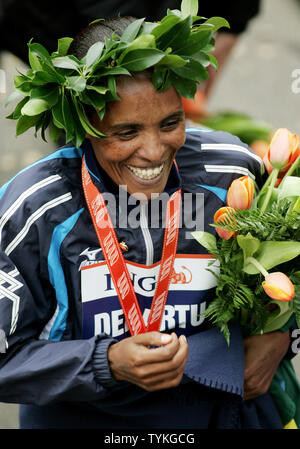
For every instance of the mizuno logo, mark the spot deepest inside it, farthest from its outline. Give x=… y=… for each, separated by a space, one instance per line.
x=91 y=257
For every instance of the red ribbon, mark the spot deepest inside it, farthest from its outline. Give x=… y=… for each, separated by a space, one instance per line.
x=116 y=263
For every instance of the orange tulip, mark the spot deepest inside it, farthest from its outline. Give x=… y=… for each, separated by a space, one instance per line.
x=296 y=148
x=283 y=150
x=240 y=193
x=278 y=286
x=223 y=215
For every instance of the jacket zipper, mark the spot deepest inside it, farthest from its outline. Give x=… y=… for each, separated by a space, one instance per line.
x=146 y=235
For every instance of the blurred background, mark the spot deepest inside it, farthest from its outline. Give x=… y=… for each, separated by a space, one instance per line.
x=257 y=90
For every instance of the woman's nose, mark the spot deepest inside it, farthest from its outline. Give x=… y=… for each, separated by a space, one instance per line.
x=152 y=148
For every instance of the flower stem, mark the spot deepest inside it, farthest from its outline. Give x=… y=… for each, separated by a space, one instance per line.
x=257 y=265
x=290 y=171
x=273 y=177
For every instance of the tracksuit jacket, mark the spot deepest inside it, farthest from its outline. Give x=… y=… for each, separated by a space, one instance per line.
x=59 y=311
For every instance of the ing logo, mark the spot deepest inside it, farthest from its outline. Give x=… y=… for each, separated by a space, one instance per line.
x=183 y=277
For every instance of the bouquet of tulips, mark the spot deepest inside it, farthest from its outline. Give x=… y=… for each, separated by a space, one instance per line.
x=257 y=248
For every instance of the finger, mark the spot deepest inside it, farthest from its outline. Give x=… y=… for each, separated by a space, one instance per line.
x=152 y=339
x=146 y=354
x=163 y=380
x=164 y=367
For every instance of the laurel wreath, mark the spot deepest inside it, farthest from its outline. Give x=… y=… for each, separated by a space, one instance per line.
x=57 y=88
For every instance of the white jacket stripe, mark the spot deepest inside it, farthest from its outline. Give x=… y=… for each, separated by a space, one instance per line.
x=232 y=147
x=37 y=214
x=14 y=207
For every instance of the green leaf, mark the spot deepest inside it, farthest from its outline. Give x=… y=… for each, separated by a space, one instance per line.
x=50 y=95
x=118 y=70
x=189 y=7
x=194 y=43
x=143 y=41
x=186 y=88
x=93 y=98
x=132 y=30
x=272 y=253
x=76 y=83
x=249 y=244
x=65 y=62
x=172 y=61
x=41 y=78
x=290 y=187
x=34 y=61
x=40 y=51
x=57 y=115
x=206 y=239
x=279 y=317
x=111 y=81
x=166 y=24
x=193 y=70
x=54 y=132
x=63 y=45
x=16 y=114
x=22 y=84
x=213 y=61
x=138 y=60
x=25 y=122
x=176 y=35
x=174 y=12
x=148 y=27
x=94 y=53
x=67 y=119
x=96 y=21
x=203 y=58
x=84 y=120
x=159 y=77
x=34 y=107
x=45 y=60
x=100 y=89
x=215 y=23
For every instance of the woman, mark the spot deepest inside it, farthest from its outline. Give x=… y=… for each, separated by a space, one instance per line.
x=72 y=358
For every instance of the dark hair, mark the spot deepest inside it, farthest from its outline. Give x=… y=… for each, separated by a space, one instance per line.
x=97 y=32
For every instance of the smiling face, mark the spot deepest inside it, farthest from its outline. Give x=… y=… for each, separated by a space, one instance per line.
x=144 y=131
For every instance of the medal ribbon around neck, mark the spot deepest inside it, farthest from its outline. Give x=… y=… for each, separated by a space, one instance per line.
x=116 y=263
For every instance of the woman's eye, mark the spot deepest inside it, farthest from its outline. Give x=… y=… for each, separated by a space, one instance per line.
x=129 y=134
x=171 y=124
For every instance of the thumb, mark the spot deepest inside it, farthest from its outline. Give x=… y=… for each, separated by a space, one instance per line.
x=153 y=338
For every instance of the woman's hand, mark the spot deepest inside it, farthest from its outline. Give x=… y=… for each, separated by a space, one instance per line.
x=263 y=354
x=153 y=369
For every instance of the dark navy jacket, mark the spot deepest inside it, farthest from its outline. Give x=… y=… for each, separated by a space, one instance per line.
x=59 y=310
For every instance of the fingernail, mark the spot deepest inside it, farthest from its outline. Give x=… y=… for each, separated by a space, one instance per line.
x=165 y=338
x=183 y=338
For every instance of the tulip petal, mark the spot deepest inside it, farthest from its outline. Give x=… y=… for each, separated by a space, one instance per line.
x=280 y=149
x=223 y=215
x=278 y=286
x=275 y=292
x=240 y=193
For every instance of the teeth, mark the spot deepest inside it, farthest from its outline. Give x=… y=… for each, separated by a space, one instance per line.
x=146 y=173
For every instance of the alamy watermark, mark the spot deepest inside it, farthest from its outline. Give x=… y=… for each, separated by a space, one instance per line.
x=295 y=87
x=2 y=82
x=134 y=211
x=3 y=342
x=296 y=342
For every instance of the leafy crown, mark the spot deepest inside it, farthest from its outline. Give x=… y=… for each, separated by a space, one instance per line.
x=57 y=88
